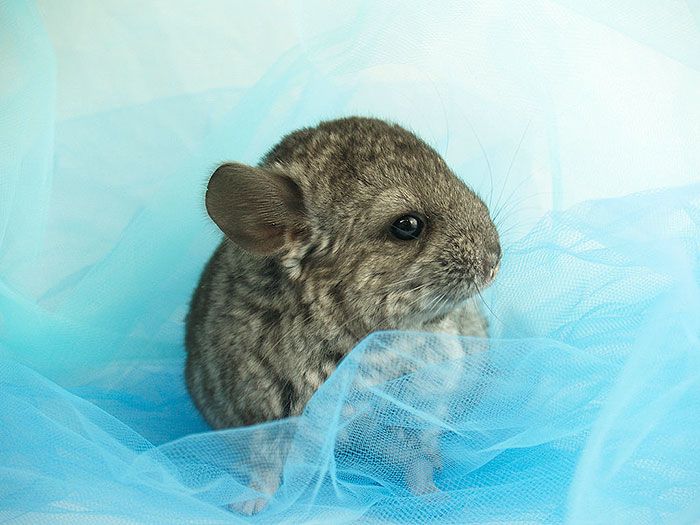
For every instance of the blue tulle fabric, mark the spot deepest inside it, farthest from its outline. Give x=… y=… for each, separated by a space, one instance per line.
x=578 y=123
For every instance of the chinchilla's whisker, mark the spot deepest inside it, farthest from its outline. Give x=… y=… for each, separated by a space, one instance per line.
x=486 y=158
x=512 y=161
x=509 y=206
x=489 y=307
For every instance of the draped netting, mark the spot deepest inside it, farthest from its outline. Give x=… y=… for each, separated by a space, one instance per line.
x=578 y=125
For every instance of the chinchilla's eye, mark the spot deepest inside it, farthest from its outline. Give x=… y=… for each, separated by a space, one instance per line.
x=407 y=227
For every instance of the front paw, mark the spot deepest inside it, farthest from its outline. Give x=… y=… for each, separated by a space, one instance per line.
x=249 y=507
x=420 y=477
x=266 y=486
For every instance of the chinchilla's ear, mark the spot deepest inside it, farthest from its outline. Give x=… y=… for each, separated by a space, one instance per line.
x=260 y=209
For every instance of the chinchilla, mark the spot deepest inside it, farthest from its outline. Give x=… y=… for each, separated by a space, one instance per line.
x=343 y=229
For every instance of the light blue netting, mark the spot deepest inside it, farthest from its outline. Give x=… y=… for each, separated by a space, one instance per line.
x=585 y=407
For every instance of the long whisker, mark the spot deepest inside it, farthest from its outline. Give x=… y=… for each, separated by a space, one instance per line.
x=512 y=161
x=444 y=115
x=404 y=281
x=508 y=204
x=431 y=307
x=510 y=196
x=488 y=162
x=441 y=304
x=487 y=306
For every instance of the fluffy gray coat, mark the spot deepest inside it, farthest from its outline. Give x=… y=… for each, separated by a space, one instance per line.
x=311 y=263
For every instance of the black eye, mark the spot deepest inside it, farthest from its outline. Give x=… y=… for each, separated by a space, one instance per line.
x=407 y=227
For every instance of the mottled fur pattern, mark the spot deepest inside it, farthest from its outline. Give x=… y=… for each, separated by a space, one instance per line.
x=278 y=308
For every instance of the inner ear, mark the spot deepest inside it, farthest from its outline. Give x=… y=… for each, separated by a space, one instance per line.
x=260 y=209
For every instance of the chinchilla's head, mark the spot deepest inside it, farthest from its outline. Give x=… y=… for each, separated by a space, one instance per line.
x=366 y=213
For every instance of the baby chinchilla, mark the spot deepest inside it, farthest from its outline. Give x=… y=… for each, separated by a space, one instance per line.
x=353 y=226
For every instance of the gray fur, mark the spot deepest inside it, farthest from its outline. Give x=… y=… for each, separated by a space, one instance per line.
x=299 y=280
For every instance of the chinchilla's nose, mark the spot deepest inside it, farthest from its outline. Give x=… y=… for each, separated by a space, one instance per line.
x=493 y=272
x=492 y=262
